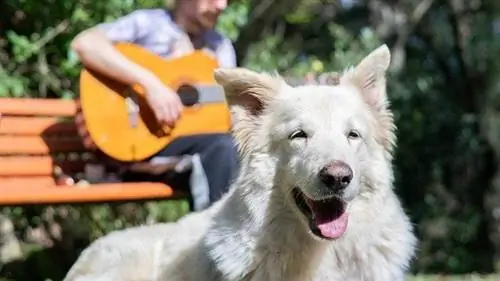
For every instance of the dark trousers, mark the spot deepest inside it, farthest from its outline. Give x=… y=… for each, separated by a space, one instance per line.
x=218 y=156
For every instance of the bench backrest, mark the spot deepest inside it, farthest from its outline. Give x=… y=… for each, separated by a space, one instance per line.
x=36 y=135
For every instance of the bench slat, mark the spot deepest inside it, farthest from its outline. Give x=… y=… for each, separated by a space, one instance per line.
x=22 y=166
x=38 y=107
x=11 y=145
x=25 y=182
x=35 y=126
x=93 y=193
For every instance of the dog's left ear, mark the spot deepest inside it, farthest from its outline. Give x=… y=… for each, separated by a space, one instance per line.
x=247 y=89
x=369 y=76
x=247 y=94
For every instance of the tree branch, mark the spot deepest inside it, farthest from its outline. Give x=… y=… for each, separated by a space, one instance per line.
x=399 y=54
x=459 y=26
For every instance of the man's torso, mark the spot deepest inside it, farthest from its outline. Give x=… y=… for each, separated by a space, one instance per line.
x=154 y=30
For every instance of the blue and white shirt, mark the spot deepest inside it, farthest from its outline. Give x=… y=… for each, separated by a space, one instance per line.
x=155 y=30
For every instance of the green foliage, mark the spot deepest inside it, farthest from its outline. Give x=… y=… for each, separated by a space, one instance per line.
x=233 y=19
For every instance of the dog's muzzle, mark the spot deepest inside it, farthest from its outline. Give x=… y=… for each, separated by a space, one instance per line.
x=326 y=213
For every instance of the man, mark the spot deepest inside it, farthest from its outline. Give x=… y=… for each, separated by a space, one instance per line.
x=188 y=26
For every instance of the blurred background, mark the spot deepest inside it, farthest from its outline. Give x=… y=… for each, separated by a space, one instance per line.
x=443 y=86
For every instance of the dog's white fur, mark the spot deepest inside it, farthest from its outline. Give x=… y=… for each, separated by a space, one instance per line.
x=256 y=232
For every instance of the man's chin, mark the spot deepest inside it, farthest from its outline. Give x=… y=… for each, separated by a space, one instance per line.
x=207 y=24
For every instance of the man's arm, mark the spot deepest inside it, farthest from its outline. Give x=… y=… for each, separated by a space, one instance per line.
x=96 y=51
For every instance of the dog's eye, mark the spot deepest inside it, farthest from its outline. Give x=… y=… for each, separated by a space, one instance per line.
x=353 y=134
x=297 y=134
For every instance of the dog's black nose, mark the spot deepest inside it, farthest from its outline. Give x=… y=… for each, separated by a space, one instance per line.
x=336 y=175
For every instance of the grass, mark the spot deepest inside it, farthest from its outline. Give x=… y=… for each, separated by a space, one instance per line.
x=426 y=278
x=455 y=278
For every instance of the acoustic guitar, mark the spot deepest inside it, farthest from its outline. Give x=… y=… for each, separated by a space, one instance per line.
x=121 y=124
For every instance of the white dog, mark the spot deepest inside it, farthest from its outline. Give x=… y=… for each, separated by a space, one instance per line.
x=313 y=200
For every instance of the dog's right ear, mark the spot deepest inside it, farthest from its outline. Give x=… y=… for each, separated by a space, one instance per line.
x=247 y=94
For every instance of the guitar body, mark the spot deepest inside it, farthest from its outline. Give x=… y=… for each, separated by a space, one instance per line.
x=120 y=122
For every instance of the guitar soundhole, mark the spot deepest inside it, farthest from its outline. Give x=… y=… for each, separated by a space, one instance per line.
x=188 y=94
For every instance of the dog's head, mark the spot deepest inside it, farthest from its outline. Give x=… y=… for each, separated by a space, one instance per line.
x=328 y=144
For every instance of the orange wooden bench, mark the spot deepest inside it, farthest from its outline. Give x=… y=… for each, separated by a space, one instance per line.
x=38 y=134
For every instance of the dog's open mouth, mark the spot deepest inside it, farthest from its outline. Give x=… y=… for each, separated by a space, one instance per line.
x=327 y=217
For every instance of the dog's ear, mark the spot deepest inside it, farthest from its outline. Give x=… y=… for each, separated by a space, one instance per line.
x=369 y=76
x=247 y=89
x=247 y=94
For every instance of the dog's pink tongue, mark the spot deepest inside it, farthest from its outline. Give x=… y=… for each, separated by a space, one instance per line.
x=332 y=228
x=330 y=218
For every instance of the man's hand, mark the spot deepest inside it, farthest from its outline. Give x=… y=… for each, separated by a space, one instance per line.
x=164 y=102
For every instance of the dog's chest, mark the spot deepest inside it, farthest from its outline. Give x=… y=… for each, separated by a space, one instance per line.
x=274 y=264
x=360 y=262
